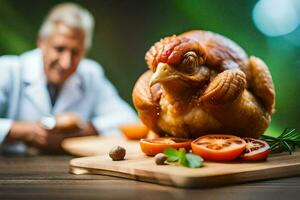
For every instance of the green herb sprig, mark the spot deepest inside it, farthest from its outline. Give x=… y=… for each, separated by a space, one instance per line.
x=186 y=159
x=288 y=140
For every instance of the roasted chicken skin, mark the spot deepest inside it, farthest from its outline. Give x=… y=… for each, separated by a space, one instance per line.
x=199 y=83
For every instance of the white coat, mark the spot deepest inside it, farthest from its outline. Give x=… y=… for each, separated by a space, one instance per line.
x=24 y=95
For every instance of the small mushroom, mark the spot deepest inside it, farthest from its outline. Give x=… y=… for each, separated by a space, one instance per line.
x=160 y=158
x=117 y=153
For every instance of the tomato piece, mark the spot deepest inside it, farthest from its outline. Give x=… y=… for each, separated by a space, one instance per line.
x=218 y=147
x=134 y=131
x=151 y=147
x=256 y=150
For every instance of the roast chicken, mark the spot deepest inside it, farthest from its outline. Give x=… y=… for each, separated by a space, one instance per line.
x=200 y=82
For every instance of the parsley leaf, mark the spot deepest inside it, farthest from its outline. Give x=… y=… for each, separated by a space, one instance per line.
x=185 y=159
x=182 y=159
x=194 y=161
x=172 y=154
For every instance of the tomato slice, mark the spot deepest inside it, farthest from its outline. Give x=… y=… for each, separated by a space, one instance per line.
x=134 y=131
x=218 y=147
x=256 y=150
x=154 y=146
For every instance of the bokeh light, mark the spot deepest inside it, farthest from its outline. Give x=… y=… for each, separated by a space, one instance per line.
x=276 y=17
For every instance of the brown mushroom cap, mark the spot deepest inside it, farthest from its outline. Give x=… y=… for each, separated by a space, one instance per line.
x=117 y=153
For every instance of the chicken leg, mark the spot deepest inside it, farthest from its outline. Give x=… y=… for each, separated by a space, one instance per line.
x=261 y=83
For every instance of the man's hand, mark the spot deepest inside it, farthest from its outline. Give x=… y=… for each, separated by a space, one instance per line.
x=27 y=131
x=48 y=141
x=55 y=137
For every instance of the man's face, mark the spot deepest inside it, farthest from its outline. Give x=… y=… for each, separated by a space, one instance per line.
x=62 y=51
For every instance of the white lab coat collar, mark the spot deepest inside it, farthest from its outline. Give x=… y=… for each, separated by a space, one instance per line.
x=36 y=90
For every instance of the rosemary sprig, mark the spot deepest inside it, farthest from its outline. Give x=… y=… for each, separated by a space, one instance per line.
x=288 y=140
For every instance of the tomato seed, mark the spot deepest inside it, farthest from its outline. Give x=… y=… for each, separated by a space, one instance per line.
x=214 y=147
x=226 y=144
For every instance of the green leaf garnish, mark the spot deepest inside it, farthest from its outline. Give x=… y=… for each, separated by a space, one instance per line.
x=194 y=161
x=182 y=159
x=288 y=140
x=185 y=159
x=172 y=154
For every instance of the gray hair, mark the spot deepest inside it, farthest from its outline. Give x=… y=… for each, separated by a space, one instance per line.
x=71 y=15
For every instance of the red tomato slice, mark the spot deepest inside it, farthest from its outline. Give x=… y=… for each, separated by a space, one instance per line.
x=154 y=146
x=218 y=147
x=256 y=150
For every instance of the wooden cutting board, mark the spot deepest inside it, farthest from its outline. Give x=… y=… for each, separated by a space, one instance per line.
x=98 y=145
x=137 y=166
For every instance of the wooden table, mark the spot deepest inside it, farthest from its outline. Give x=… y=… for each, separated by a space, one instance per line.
x=47 y=177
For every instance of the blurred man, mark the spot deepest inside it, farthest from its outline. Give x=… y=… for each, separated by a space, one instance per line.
x=53 y=79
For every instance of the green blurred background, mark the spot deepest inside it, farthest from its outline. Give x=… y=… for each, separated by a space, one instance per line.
x=126 y=29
